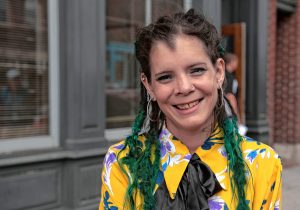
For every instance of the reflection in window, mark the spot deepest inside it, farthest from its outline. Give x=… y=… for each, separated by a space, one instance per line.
x=123 y=19
x=122 y=79
x=166 y=7
x=2 y=11
x=23 y=68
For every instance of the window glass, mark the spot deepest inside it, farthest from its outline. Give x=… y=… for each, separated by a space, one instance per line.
x=165 y=7
x=2 y=11
x=23 y=68
x=123 y=19
x=122 y=79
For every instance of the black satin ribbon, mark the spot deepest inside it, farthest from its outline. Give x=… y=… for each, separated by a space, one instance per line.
x=196 y=186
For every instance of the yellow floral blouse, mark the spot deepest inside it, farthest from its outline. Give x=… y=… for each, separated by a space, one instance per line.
x=264 y=177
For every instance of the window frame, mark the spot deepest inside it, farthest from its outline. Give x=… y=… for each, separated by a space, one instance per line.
x=51 y=140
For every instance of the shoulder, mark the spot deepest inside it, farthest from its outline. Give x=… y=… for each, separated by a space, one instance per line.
x=264 y=173
x=259 y=155
x=116 y=148
x=118 y=151
x=112 y=154
x=113 y=172
x=111 y=157
x=254 y=148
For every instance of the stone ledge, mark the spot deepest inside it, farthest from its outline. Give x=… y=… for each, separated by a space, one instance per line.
x=290 y=153
x=50 y=155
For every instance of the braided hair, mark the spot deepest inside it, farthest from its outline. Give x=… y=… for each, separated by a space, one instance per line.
x=143 y=159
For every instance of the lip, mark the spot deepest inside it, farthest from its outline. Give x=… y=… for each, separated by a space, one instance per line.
x=190 y=109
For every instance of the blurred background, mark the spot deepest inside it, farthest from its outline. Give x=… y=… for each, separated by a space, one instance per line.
x=69 y=88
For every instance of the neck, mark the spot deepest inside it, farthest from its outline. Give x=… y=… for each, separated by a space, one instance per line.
x=192 y=138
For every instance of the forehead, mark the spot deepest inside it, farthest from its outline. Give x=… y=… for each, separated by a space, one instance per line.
x=181 y=50
x=180 y=41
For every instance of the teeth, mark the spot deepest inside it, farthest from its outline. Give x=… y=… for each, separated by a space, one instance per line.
x=187 y=106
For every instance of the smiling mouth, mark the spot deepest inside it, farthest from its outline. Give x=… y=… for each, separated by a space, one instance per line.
x=188 y=105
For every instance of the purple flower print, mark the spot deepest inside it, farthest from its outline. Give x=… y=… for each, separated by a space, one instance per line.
x=215 y=203
x=222 y=151
x=168 y=146
x=119 y=146
x=277 y=205
x=163 y=134
x=168 y=151
x=163 y=150
x=109 y=159
x=187 y=157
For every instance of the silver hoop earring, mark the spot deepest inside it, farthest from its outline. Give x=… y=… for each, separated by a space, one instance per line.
x=146 y=124
x=227 y=109
x=150 y=109
x=221 y=98
x=149 y=106
x=226 y=105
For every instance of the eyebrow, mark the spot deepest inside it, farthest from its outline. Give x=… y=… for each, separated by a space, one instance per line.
x=196 y=64
x=162 y=73
x=188 y=67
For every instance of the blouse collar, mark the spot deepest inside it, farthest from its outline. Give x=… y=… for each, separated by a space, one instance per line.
x=175 y=157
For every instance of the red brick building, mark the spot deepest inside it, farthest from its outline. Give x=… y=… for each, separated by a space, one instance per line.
x=283 y=84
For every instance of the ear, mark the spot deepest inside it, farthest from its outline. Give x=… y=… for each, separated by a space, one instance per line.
x=220 y=71
x=147 y=85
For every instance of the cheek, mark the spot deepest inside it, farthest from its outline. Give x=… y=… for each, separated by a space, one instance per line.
x=208 y=87
x=210 y=90
x=162 y=94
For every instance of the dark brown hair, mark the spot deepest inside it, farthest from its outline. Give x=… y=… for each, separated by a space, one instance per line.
x=167 y=27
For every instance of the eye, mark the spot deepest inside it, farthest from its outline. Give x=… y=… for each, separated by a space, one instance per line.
x=197 y=71
x=164 y=78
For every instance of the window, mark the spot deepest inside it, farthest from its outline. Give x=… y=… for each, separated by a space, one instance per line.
x=2 y=11
x=123 y=19
x=122 y=77
x=165 y=7
x=24 y=75
x=24 y=70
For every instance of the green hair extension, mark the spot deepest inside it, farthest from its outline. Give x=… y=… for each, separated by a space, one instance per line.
x=221 y=50
x=236 y=163
x=142 y=168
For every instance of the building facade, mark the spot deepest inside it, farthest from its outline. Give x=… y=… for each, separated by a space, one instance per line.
x=284 y=76
x=69 y=87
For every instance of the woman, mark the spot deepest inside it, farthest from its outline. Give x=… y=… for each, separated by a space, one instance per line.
x=185 y=151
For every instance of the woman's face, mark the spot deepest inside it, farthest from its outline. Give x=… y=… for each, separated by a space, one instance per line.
x=184 y=82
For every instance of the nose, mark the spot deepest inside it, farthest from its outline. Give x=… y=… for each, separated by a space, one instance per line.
x=185 y=85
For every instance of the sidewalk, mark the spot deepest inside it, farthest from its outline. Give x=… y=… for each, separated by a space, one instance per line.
x=291 y=188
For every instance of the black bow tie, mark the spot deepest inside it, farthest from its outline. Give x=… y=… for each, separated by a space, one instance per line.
x=196 y=186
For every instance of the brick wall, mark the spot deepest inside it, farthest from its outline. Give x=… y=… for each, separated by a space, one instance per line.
x=271 y=66
x=284 y=77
